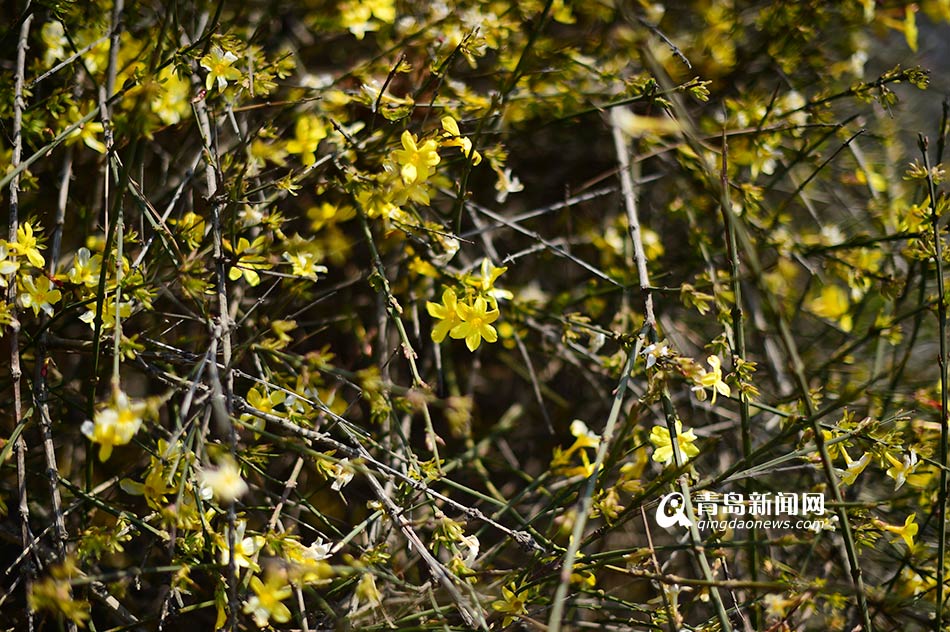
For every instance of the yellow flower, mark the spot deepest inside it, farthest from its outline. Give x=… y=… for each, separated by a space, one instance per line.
x=218 y=64
x=108 y=313
x=849 y=475
x=27 y=245
x=245 y=547
x=776 y=605
x=357 y=15
x=249 y=260
x=660 y=438
x=224 y=481
x=453 y=138
x=328 y=214
x=115 y=424
x=476 y=323
x=171 y=100
x=586 y=438
x=833 y=305
x=446 y=313
x=88 y=133
x=511 y=604
x=899 y=470
x=86 y=268
x=8 y=266
x=416 y=162
x=506 y=184
x=38 y=294
x=191 y=228
x=265 y=404
x=265 y=604
x=486 y=282
x=905 y=532
x=367 y=591
x=305 y=265
x=375 y=201
x=308 y=133
x=155 y=488
x=54 y=37
x=308 y=563
x=342 y=473
x=713 y=380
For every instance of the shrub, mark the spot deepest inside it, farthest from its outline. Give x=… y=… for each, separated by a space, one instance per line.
x=476 y=315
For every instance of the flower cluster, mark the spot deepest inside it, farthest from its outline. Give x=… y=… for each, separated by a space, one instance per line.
x=470 y=319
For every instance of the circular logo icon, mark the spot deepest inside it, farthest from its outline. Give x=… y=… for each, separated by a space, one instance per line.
x=671 y=511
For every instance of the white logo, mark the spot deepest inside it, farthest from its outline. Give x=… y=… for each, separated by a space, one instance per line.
x=672 y=510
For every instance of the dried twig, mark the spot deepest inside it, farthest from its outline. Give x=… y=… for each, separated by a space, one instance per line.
x=19 y=104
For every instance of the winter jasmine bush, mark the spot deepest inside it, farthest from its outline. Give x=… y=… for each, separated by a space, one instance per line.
x=427 y=315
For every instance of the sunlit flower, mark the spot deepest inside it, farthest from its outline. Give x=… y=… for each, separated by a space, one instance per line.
x=899 y=470
x=308 y=132
x=8 y=265
x=357 y=15
x=906 y=532
x=39 y=295
x=416 y=162
x=245 y=547
x=660 y=438
x=154 y=489
x=219 y=66
x=191 y=228
x=713 y=380
x=318 y=550
x=224 y=481
x=446 y=313
x=776 y=606
x=342 y=474
x=506 y=184
x=115 y=424
x=512 y=604
x=309 y=565
x=265 y=604
x=86 y=268
x=171 y=99
x=305 y=265
x=249 y=260
x=476 y=323
x=26 y=244
x=849 y=475
x=376 y=203
x=88 y=133
x=54 y=37
x=452 y=137
x=654 y=351
x=586 y=438
x=108 y=313
x=833 y=304
x=367 y=591
x=485 y=283
x=266 y=403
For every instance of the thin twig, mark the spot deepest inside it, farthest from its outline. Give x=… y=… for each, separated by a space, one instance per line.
x=395 y=312
x=944 y=395
x=738 y=340
x=221 y=338
x=19 y=104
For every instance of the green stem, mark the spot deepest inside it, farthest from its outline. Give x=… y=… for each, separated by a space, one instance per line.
x=942 y=363
x=738 y=333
